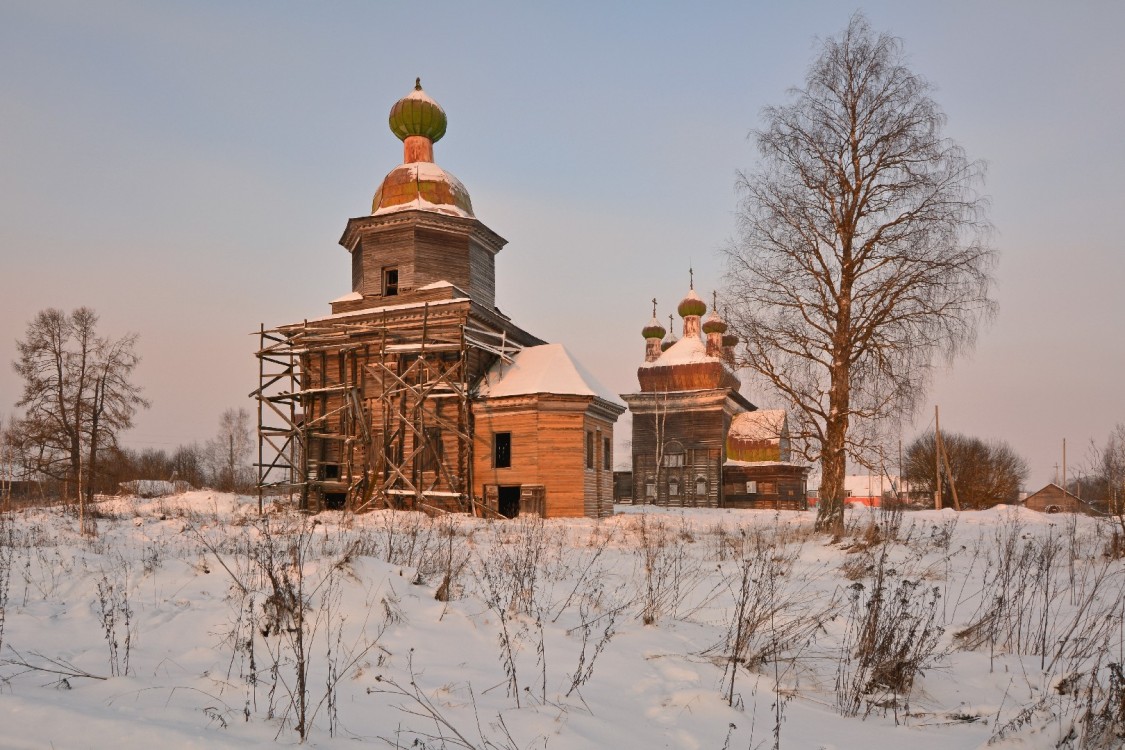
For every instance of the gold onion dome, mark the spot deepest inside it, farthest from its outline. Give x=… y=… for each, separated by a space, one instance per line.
x=654 y=330
x=418 y=114
x=714 y=324
x=691 y=305
x=670 y=341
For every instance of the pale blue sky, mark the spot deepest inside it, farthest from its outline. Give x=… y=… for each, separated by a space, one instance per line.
x=186 y=169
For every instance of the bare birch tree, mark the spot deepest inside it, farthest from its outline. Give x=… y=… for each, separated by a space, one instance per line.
x=228 y=453
x=78 y=395
x=862 y=252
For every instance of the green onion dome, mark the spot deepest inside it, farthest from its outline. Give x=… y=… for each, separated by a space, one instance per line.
x=730 y=339
x=417 y=114
x=714 y=324
x=653 y=330
x=668 y=343
x=691 y=305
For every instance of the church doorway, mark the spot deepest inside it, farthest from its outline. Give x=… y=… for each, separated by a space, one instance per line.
x=509 y=501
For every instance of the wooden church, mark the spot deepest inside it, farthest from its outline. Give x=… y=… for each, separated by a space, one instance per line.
x=697 y=442
x=416 y=391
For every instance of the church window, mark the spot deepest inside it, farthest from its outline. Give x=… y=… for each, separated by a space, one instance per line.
x=390 y=282
x=650 y=488
x=701 y=486
x=502 y=450
x=673 y=487
x=589 y=449
x=607 y=455
x=673 y=459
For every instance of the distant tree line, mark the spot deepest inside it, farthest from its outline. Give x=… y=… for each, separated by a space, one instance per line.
x=79 y=395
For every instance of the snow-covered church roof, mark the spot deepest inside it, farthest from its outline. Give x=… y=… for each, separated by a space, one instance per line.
x=753 y=426
x=547 y=369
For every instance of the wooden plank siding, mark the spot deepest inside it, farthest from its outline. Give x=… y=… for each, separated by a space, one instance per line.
x=693 y=424
x=548 y=448
x=426 y=248
x=778 y=486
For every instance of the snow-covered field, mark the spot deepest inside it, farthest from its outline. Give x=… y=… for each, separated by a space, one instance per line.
x=190 y=622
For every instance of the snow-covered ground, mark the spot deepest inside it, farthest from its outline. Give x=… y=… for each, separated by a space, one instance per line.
x=190 y=622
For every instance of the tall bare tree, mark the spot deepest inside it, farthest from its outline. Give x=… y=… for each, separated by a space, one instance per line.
x=862 y=253
x=228 y=453
x=78 y=394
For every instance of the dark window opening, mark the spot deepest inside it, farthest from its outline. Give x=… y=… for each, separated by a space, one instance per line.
x=335 y=500
x=589 y=449
x=509 y=501
x=331 y=471
x=502 y=450
x=390 y=282
x=607 y=455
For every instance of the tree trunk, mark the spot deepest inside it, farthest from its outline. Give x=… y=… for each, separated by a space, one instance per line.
x=833 y=459
x=833 y=463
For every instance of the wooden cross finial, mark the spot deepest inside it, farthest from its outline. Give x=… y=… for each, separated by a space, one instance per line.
x=691 y=275
x=654 y=307
x=418 y=83
x=715 y=301
x=669 y=322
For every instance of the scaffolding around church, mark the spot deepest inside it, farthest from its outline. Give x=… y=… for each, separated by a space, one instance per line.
x=374 y=412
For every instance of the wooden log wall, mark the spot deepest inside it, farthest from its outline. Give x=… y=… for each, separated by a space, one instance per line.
x=548 y=449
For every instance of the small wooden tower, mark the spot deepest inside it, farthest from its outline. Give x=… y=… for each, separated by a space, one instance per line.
x=681 y=416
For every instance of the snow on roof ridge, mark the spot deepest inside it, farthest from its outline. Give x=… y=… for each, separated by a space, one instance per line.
x=688 y=350
x=548 y=369
x=422 y=204
x=763 y=424
x=349 y=297
x=376 y=310
x=423 y=96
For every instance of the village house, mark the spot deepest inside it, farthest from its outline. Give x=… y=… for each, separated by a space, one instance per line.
x=417 y=391
x=1054 y=499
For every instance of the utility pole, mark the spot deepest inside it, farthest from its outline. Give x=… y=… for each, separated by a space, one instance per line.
x=939 y=447
x=937 y=459
x=1064 y=465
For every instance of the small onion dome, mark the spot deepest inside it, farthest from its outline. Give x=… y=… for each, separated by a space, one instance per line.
x=691 y=305
x=668 y=343
x=653 y=330
x=714 y=324
x=417 y=114
x=729 y=339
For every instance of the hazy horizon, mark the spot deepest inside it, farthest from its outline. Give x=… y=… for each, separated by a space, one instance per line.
x=186 y=171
